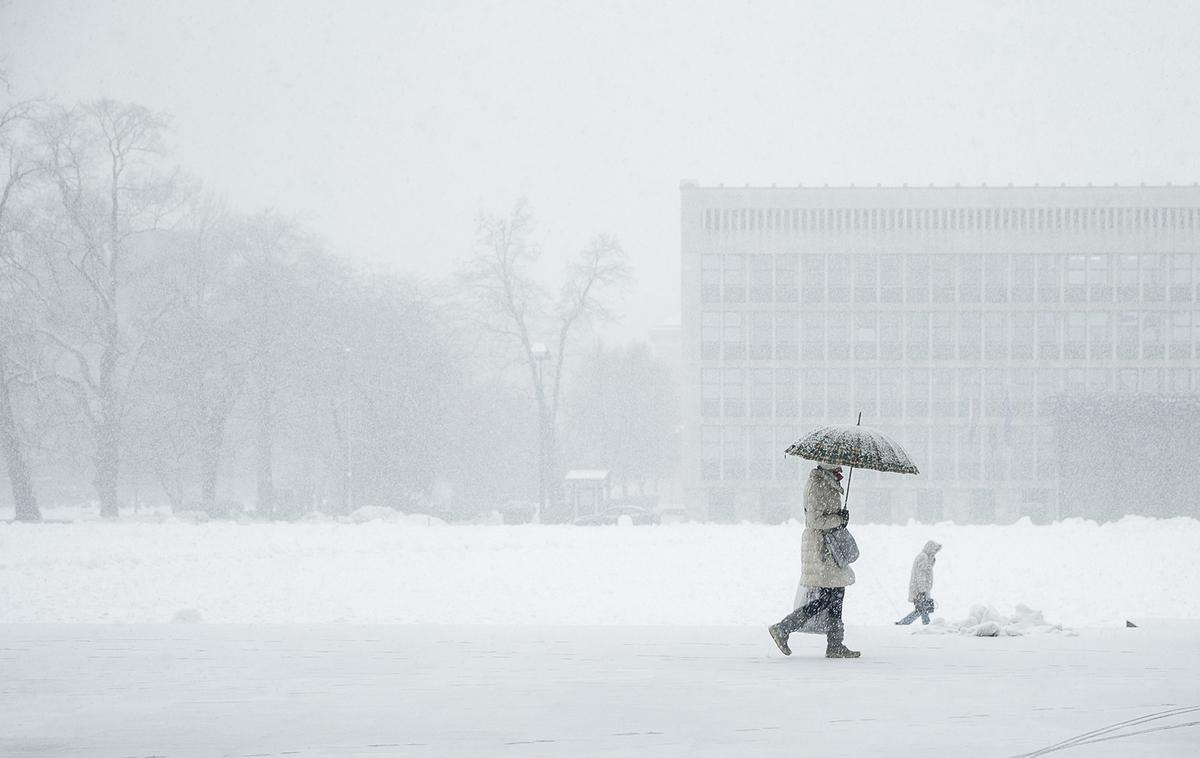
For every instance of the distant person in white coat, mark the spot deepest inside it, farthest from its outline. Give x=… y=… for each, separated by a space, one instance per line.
x=920 y=584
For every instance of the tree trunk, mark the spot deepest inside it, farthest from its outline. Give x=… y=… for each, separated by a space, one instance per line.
x=108 y=431
x=10 y=445
x=266 y=484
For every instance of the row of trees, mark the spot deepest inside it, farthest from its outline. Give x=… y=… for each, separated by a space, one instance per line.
x=164 y=343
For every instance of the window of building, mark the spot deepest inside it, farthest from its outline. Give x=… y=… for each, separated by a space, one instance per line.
x=969 y=452
x=710 y=278
x=733 y=458
x=942 y=398
x=760 y=278
x=787 y=394
x=1151 y=381
x=838 y=290
x=1049 y=328
x=787 y=467
x=1049 y=278
x=762 y=382
x=891 y=281
x=1127 y=381
x=1047 y=454
x=710 y=452
x=866 y=336
x=710 y=335
x=735 y=278
x=710 y=392
x=1179 y=382
x=941 y=331
x=866 y=278
x=1100 y=335
x=891 y=394
x=786 y=341
x=812 y=279
x=1075 y=290
x=1021 y=392
x=787 y=278
x=837 y=337
x=1099 y=381
x=762 y=453
x=1075 y=337
x=812 y=394
x=760 y=335
x=995 y=275
x=1023 y=278
x=866 y=392
x=917 y=335
x=1127 y=336
x=917 y=278
x=969 y=406
x=916 y=393
x=1021 y=343
x=1181 y=335
x=1127 y=279
x=734 y=392
x=1049 y=387
x=1100 y=279
x=812 y=335
x=970 y=278
x=838 y=394
x=1075 y=381
x=1154 y=276
x=941 y=274
x=891 y=348
x=734 y=338
x=1152 y=336
x=1182 y=289
x=995 y=342
x=968 y=335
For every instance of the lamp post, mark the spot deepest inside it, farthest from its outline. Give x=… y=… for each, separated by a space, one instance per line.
x=540 y=354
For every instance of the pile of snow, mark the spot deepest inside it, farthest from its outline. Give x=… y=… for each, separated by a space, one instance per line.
x=370 y=513
x=986 y=621
x=403 y=569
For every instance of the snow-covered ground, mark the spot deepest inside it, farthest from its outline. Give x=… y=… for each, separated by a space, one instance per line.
x=207 y=691
x=607 y=641
x=1077 y=573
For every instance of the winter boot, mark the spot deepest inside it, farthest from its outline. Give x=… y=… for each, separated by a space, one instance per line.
x=780 y=637
x=834 y=647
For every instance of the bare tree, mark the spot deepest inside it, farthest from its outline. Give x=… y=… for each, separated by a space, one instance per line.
x=19 y=166
x=518 y=307
x=104 y=158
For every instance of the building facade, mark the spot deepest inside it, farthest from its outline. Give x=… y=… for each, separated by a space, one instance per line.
x=955 y=319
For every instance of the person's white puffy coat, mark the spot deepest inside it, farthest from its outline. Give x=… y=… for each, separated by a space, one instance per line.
x=822 y=511
x=921 y=581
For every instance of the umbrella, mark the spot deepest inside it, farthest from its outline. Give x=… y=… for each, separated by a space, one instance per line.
x=854 y=446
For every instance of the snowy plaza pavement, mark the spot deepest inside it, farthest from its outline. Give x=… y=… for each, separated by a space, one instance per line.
x=424 y=690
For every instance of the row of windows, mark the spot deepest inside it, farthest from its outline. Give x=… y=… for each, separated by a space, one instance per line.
x=949 y=335
x=967 y=453
x=839 y=394
x=833 y=220
x=991 y=278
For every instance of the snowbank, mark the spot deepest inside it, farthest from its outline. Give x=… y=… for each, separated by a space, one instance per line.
x=986 y=621
x=1080 y=573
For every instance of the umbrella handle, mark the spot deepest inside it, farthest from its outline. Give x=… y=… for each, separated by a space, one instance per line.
x=850 y=476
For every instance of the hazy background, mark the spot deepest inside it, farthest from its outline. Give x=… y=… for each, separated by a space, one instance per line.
x=388 y=126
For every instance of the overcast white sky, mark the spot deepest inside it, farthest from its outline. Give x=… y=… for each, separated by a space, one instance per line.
x=389 y=125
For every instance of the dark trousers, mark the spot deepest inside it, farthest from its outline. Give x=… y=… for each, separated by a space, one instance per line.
x=827 y=598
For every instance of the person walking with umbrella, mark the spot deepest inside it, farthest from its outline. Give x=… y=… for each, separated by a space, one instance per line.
x=826 y=547
x=822 y=511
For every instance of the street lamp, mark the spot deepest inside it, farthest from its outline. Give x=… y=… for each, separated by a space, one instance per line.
x=540 y=354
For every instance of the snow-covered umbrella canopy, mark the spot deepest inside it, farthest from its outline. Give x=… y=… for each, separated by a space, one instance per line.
x=856 y=446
